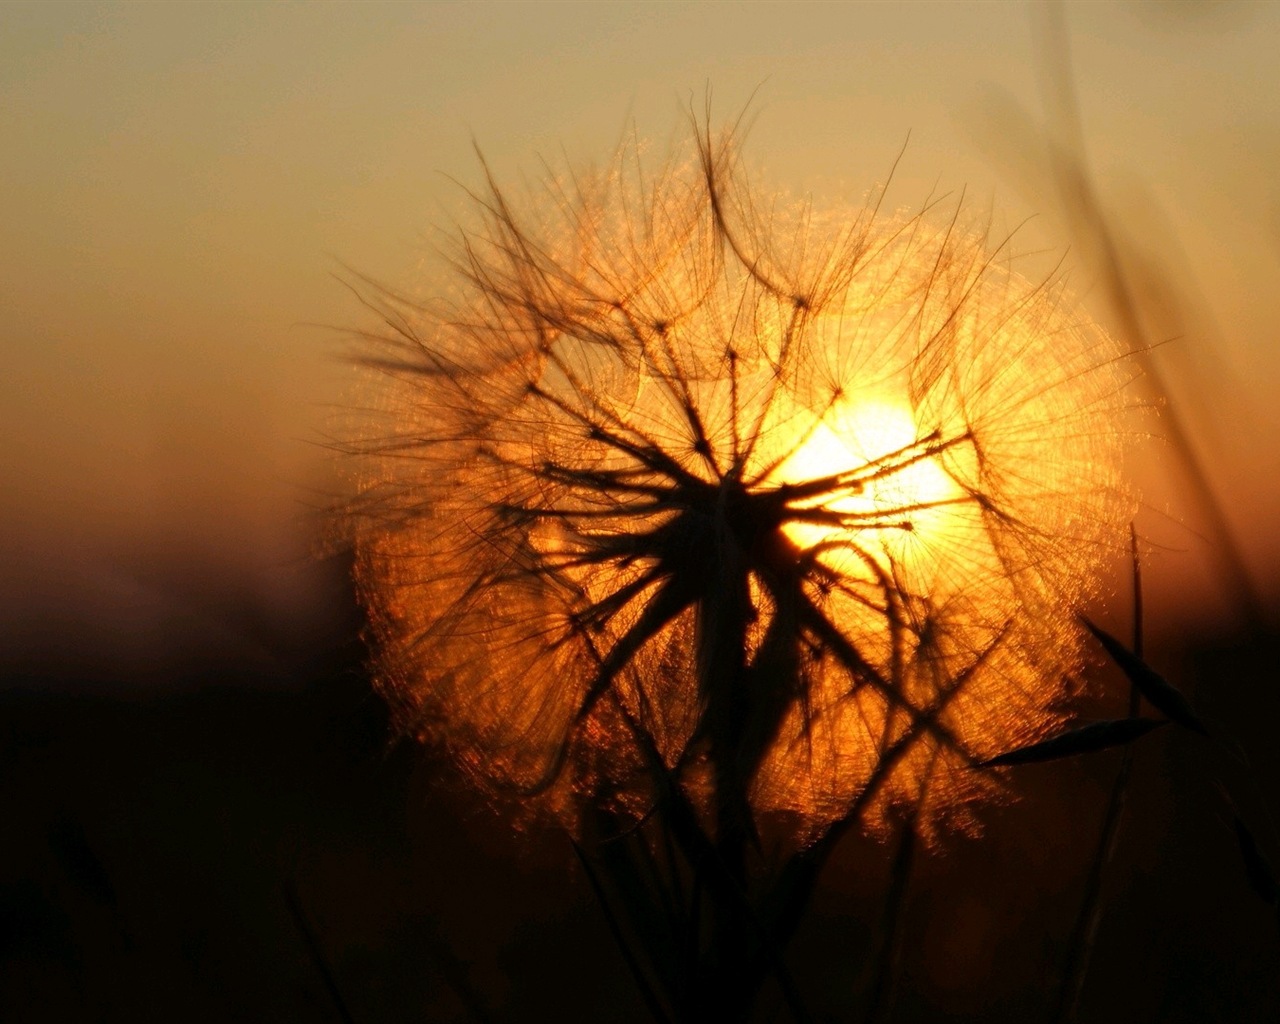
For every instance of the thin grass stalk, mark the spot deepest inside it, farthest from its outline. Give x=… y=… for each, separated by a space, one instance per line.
x=1080 y=196
x=315 y=952
x=638 y=974
x=454 y=973
x=1085 y=933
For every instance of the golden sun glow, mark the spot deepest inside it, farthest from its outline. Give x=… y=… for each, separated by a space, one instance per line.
x=896 y=487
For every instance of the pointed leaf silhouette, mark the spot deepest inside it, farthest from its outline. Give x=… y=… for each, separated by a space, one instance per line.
x=1256 y=866
x=1083 y=740
x=1162 y=694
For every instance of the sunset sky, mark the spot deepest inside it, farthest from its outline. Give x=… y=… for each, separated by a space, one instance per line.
x=181 y=183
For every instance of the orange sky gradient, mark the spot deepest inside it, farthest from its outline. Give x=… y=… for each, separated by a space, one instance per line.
x=180 y=184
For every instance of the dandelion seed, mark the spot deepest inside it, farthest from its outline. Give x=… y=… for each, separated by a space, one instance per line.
x=688 y=488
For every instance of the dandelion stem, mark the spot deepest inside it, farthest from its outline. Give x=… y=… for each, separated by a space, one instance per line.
x=892 y=931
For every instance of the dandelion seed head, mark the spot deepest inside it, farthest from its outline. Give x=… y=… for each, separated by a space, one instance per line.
x=687 y=487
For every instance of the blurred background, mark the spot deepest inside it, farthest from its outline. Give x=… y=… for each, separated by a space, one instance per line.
x=205 y=817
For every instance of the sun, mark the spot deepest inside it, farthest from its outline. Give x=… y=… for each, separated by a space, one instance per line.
x=896 y=491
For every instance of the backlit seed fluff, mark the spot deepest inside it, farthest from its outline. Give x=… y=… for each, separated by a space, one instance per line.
x=687 y=487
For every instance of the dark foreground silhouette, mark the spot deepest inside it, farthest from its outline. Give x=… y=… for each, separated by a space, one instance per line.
x=245 y=845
